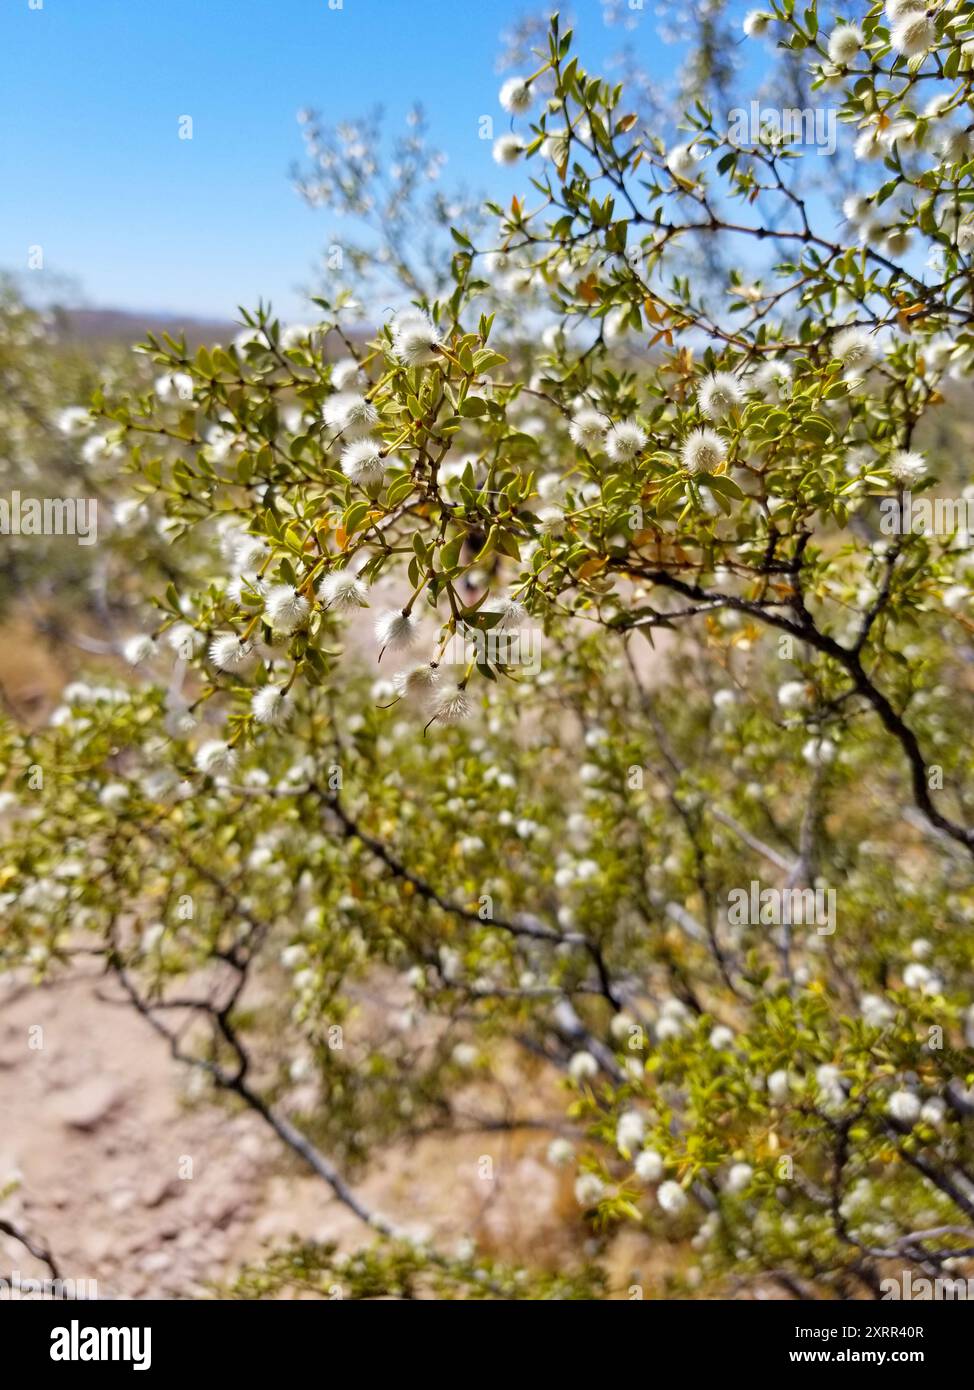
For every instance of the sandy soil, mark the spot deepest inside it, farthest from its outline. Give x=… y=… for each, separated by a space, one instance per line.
x=130 y=1183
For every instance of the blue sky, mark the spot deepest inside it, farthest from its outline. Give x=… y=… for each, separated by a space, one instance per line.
x=93 y=171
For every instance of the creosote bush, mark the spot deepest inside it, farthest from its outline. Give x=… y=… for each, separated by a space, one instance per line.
x=682 y=491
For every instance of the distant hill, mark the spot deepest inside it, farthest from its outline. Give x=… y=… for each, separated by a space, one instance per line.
x=124 y=327
x=127 y=326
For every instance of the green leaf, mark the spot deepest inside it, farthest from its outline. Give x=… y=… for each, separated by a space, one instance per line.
x=507 y=544
x=486 y=360
x=719 y=482
x=815 y=427
x=354 y=516
x=450 y=553
x=399 y=489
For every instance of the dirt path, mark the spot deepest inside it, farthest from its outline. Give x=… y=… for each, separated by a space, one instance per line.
x=92 y=1124
x=131 y=1185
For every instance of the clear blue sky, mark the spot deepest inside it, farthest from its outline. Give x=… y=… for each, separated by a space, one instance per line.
x=91 y=92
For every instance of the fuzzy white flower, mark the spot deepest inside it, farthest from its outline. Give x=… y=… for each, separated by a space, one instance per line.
x=271 y=706
x=419 y=681
x=414 y=339
x=965 y=237
x=285 y=608
x=587 y=429
x=873 y=232
x=819 y=752
x=955 y=146
x=508 y=149
x=465 y=1055
x=624 y=440
x=898 y=242
x=248 y=337
x=589 y=1189
x=550 y=485
x=184 y=640
x=99 y=449
x=113 y=795
x=349 y=412
x=363 y=462
x=771 y=378
x=174 y=386
x=138 y=649
x=870 y=144
x=934 y=1111
x=904 y=1106
x=899 y=9
x=876 y=1010
x=756 y=23
x=845 y=41
x=73 y=420
x=856 y=207
x=682 y=163
x=674 y=1009
x=854 y=348
x=831 y=1088
x=515 y=94
x=552 y=520
x=556 y=146
x=295 y=334
x=672 y=1198
x=450 y=705
x=721 y=1038
x=792 y=694
x=243 y=551
x=344 y=372
x=917 y=976
x=560 y=1152
x=719 y=395
x=343 y=589
x=243 y=586
x=938 y=103
x=902 y=136
x=914 y=34
x=779 y=1086
x=396 y=630
x=583 y=1066
x=215 y=757
x=703 y=451
x=630 y=1131
x=738 y=1177
x=512 y=613
x=229 y=653
x=907 y=466
x=648 y=1166
x=937 y=353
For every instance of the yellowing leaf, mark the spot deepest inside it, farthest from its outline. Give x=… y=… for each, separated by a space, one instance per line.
x=592 y=566
x=588 y=289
